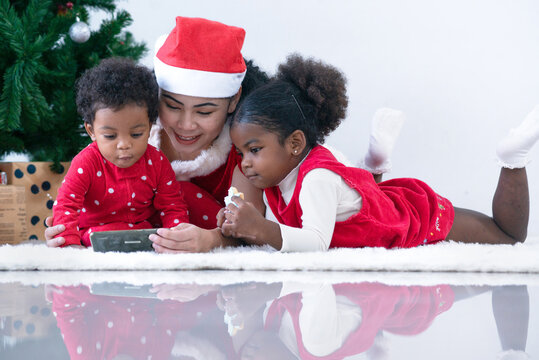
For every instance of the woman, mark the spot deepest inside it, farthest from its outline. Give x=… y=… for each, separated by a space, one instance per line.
x=202 y=76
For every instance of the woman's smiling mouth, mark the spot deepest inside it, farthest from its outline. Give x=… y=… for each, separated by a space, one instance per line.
x=186 y=140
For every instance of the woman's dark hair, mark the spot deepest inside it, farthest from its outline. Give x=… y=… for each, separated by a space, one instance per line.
x=254 y=78
x=114 y=83
x=305 y=94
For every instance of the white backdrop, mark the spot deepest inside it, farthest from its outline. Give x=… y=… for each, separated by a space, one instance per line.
x=464 y=72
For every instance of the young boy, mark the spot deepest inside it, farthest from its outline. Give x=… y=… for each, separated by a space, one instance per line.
x=118 y=181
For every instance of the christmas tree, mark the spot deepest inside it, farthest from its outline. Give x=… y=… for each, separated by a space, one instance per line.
x=45 y=48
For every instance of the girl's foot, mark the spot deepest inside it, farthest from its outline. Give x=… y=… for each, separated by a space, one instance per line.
x=512 y=151
x=386 y=126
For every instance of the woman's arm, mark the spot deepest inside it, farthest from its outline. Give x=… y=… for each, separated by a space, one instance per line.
x=190 y=238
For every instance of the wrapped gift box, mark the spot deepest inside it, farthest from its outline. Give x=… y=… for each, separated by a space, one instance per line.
x=40 y=188
x=25 y=312
x=13 y=228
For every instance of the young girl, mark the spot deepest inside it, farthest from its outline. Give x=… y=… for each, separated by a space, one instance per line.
x=314 y=202
x=119 y=181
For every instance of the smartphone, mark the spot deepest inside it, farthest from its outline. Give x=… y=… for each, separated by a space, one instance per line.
x=122 y=240
x=122 y=289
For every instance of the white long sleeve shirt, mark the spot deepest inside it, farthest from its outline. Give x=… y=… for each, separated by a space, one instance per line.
x=324 y=198
x=326 y=319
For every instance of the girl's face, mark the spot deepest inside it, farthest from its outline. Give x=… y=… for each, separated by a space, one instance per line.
x=121 y=135
x=193 y=123
x=265 y=161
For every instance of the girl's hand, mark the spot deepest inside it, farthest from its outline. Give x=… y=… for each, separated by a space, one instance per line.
x=52 y=231
x=221 y=217
x=241 y=221
x=185 y=238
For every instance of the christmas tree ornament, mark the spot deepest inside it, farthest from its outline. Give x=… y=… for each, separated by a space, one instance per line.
x=79 y=32
x=60 y=42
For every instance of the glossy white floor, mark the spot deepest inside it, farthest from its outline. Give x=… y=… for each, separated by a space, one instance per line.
x=268 y=315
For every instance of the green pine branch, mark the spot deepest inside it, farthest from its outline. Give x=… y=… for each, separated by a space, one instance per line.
x=39 y=66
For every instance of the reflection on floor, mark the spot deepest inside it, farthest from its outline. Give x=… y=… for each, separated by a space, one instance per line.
x=267 y=320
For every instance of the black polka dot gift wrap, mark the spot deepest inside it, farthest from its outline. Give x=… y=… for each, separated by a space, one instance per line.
x=41 y=186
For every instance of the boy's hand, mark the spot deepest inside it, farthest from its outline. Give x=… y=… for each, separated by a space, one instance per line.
x=241 y=221
x=52 y=231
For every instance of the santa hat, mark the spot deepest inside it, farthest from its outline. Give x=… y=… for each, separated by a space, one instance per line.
x=200 y=58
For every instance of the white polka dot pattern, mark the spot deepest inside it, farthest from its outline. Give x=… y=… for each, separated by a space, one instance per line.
x=108 y=193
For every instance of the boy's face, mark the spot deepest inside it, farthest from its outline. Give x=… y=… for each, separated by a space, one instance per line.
x=121 y=135
x=265 y=161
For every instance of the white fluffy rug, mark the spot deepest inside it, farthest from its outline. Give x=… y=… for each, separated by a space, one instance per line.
x=443 y=257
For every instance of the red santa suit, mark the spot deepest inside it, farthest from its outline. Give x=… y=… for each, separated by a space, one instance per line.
x=96 y=195
x=206 y=179
x=395 y=213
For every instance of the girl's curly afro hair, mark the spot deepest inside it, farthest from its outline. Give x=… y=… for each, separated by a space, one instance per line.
x=305 y=94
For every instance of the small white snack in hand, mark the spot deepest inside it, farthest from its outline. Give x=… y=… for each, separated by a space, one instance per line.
x=232 y=192
x=230 y=322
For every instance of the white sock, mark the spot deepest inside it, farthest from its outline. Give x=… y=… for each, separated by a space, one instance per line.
x=513 y=355
x=385 y=128
x=513 y=149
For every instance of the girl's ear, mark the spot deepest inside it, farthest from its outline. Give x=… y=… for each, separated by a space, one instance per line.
x=90 y=130
x=296 y=142
x=234 y=100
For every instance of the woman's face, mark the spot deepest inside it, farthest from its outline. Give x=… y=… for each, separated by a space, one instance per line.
x=193 y=123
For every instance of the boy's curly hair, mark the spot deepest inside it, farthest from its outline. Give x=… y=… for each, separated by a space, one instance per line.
x=113 y=83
